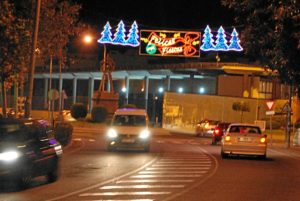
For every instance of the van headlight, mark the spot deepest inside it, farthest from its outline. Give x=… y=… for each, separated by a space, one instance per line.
x=9 y=156
x=144 y=134
x=112 y=133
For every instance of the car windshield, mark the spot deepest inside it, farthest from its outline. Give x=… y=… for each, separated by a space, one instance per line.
x=12 y=132
x=129 y=120
x=244 y=129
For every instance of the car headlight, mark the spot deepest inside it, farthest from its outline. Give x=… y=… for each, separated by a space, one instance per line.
x=112 y=133
x=9 y=156
x=144 y=134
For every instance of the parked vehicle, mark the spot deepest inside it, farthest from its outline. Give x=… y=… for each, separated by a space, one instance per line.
x=219 y=131
x=206 y=127
x=27 y=150
x=129 y=129
x=244 y=139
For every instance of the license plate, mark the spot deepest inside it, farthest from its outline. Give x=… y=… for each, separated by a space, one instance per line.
x=244 y=139
x=128 y=140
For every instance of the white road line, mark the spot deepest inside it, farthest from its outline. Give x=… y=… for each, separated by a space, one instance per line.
x=169 y=176
x=181 y=165
x=122 y=200
x=183 y=162
x=172 y=172
x=206 y=167
x=140 y=186
x=155 y=181
x=125 y=193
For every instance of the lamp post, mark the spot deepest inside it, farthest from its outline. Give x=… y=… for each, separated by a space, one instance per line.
x=33 y=52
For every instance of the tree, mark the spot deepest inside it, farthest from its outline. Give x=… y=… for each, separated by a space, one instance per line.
x=14 y=45
x=58 y=23
x=242 y=107
x=271 y=34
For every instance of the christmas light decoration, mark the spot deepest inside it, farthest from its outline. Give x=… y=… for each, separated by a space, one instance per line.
x=207 y=40
x=235 y=42
x=133 y=36
x=120 y=35
x=221 y=42
x=106 y=34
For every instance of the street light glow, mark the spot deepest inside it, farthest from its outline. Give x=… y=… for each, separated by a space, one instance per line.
x=201 y=90
x=160 y=89
x=87 y=39
x=180 y=89
x=123 y=89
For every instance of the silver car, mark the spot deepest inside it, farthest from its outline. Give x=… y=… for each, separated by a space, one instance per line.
x=244 y=139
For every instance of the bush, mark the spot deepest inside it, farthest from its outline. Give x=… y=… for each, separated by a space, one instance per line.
x=99 y=114
x=63 y=132
x=78 y=110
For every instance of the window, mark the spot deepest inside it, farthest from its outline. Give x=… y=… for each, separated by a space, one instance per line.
x=265 y=89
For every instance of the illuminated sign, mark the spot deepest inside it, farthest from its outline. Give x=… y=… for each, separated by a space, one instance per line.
x=119 y=37
x=221 y=42
x=170 y=43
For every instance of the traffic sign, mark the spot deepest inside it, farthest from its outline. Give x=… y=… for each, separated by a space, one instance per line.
x=270 y=104
x=271 y=112
x=287 y=107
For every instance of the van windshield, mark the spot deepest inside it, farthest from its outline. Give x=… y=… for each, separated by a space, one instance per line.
x=129 y=120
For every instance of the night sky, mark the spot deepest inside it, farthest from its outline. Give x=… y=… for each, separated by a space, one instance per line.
x=158 y=14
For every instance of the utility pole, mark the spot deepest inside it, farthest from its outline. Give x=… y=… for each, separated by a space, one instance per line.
x=32 y=60
x=288 y=119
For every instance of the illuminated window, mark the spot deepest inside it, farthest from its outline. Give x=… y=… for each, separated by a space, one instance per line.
x=265 y=89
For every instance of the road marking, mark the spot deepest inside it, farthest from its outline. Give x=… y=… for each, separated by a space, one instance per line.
x=158 y=176
x=172 y=172
x=123 y=200
x=154 y=181
x=140 y=186
x=179 y=168
x=182 y=165
x=125 y=193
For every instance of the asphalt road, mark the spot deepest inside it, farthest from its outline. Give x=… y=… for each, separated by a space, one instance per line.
x=178 y=167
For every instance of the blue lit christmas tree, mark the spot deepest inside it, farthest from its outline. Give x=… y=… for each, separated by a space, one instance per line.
x=235 y=42
x=221 y=42
x=133 y=36
x=106 y=34
x=207 y=40
x=119 y=36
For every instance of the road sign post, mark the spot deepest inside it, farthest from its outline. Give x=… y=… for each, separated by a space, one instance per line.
x=270 y=112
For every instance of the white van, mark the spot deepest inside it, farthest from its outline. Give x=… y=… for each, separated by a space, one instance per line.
x=129 y=129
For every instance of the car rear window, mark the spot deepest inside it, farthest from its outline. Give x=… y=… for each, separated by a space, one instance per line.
x=245 y=129
x=129 y=120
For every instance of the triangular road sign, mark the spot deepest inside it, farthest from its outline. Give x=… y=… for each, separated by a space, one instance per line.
x=270 y=104
x=286 y=107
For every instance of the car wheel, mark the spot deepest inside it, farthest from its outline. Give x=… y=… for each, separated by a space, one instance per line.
x=53 y=175
x=24 y=179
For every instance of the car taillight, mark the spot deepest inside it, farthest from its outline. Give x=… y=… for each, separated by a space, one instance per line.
x=263 y=140
x=227 y=138
x=217 y=131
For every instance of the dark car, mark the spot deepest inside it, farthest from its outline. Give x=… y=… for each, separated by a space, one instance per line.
x=206 y=127
x=27 y=150
x=219 y=131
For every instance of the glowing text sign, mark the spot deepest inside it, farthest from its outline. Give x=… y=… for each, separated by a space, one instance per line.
x=170 y=43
